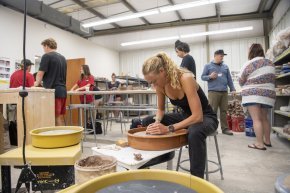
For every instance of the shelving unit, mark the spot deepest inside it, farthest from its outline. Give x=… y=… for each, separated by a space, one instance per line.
x=5 y=72
x=281 y=118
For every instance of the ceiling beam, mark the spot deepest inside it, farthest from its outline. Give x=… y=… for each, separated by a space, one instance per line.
x=218 y=11
x=262 y=6
x=274 y=5
x=93 y=11
x=239 y=17
x=176 y=12
x=131 y=8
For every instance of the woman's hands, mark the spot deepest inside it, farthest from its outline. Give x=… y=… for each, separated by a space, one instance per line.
x=157 y=129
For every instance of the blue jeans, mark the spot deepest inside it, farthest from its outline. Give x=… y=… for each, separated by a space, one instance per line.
x=197 y=134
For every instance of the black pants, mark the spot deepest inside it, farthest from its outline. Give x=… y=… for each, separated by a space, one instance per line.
x=197 y=134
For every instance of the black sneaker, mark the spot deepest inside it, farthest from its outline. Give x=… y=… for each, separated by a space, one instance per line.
x=227 y=132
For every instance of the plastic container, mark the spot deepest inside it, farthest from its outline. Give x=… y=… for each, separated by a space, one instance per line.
x=282 y=184
x=238 y=124
x=229 y=121
x=249 y=130
x=94 y=166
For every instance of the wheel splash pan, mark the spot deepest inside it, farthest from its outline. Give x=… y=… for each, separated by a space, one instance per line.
x=56 y=137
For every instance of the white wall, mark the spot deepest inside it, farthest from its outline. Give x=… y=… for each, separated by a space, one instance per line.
x=237 y=50
x=101 y=60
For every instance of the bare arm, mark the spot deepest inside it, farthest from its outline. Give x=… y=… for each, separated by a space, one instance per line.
x=83 y=88
x=39 y=77
x=160 y=105
x=74 y=87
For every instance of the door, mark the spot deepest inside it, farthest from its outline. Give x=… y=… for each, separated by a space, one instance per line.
x=72 y=76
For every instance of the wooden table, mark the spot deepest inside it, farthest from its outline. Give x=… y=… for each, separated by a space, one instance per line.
x=39 y=109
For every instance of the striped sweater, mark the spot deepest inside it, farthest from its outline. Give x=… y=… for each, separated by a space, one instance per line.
x=257 y=79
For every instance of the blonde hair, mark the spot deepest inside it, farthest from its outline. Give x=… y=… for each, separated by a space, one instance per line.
x=161 y=60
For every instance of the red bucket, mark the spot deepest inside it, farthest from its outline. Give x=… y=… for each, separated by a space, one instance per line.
x=229 y=121
x=238 y=124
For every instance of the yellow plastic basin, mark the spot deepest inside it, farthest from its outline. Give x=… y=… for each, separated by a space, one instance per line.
x=56 y=137
x=197 y=184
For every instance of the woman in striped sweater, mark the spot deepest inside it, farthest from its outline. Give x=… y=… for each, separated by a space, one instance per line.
x=257 y=79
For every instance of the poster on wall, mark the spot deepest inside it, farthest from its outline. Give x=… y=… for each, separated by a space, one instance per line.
x=5 y=72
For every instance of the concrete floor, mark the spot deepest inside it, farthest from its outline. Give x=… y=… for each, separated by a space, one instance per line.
x=245 y=170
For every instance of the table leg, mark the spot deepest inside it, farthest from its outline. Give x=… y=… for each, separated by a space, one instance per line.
x=6 y=179
x=170 y=164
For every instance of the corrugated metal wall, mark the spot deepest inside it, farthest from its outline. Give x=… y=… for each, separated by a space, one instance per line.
x=237 y=50
x=283 y=24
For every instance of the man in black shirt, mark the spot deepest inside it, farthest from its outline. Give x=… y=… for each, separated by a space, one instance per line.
x=182 y=50
x=52 y=72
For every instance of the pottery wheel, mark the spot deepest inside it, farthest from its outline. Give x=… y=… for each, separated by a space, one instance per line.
x=144 y=134
x=138 y=139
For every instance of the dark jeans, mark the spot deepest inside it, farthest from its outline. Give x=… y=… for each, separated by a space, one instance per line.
x=197 y=134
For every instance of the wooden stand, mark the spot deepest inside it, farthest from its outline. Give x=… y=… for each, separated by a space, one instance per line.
x=39 y=109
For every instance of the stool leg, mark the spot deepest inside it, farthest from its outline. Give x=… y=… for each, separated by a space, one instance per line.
x=170 y=164
x=206 y=163
x=111 y=122
x=218 y=155
x=70 y=116
x=120 y=114
x=93 y=124
x=80 y=115
x=6 y=179
x=104 y=122
x=84 y=123
x=108 y=118
x=178 y=160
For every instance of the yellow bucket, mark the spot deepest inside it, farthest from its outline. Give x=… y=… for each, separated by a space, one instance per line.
x=194 y=183
x=56 y=137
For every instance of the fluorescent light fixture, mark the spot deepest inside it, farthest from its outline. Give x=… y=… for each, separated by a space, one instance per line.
x=189 y=5
x=153 y=12
x=188 y=36
x=149 y=41
x=122 y=18
x=217 y=32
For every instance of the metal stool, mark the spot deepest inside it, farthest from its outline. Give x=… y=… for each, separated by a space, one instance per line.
x=219 y=164
x=84 y=107
x=119 y=118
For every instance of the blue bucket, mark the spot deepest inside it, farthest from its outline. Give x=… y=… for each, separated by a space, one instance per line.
x=249 y=131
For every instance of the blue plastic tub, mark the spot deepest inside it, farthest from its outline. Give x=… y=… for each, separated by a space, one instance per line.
x=249 y=131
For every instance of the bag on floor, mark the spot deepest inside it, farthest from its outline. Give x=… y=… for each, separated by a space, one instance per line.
x=136 y=123
x=13 y=133
x=98 y=127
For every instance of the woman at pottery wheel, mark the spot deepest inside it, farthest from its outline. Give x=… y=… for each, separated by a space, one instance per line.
x=179 y=85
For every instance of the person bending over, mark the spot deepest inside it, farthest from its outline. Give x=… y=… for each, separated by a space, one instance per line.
x=179 y=85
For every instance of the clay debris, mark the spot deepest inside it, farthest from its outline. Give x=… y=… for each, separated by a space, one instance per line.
x=93 y=161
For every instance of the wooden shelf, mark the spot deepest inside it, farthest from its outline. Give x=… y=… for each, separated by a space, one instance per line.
x=287 y=114
x=279 y=130
x=283 y=75
x=283 y=58
x=283 y=95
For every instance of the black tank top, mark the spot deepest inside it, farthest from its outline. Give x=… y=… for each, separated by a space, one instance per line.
x=183 y=104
